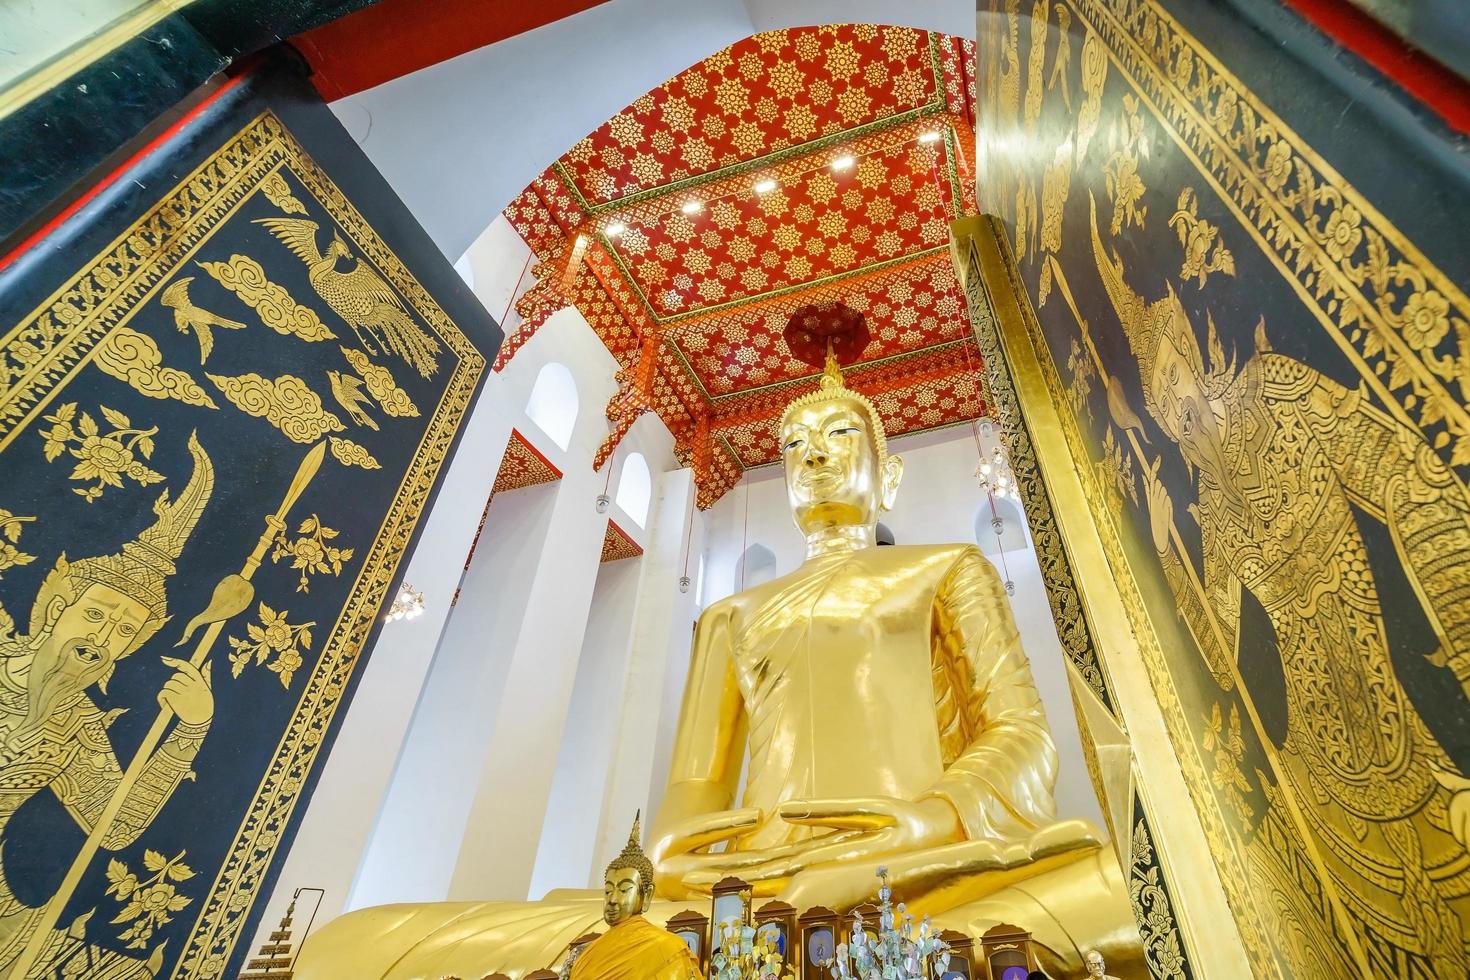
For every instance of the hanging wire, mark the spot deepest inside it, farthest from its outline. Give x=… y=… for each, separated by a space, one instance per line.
x=745 y=535
x=688 y=540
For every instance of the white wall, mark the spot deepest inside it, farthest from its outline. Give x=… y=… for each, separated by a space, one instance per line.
x=937 y=503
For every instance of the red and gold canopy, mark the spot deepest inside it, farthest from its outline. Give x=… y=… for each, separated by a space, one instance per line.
x=795 y=167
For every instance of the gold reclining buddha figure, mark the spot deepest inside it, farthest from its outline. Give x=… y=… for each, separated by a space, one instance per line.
x=890 y=718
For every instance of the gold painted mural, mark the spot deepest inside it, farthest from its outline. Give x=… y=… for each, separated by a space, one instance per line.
x=187 y=581
x=1263 y=382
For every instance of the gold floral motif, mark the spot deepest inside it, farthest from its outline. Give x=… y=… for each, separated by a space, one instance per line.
x=10 y=554
x=310 y=554
x=1197 y=235
x=104 y=458
x=1127 y=143
x=1083 y=375
x=274 y=640
x=246 y=278
x=1229 y=748
x=1116 y=470
x=288 y=403
x=1161 y=945
x=148 y=903
x=278 y=192
x=349 y=453
x=380 y=385
x=134 y=359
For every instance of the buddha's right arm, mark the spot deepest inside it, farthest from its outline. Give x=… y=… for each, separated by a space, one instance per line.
x=709 y=743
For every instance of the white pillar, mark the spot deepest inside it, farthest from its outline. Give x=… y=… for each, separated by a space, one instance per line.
x=343 y=808
x=661 y=636
x=412 y=854
x=568 y=844
x=513 y=781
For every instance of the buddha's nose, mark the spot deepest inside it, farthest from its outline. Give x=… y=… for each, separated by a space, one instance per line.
x=815 y=457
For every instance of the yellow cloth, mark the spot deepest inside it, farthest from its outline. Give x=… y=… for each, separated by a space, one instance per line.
x=636 y=949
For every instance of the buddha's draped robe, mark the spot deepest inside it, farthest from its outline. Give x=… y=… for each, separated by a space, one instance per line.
x=636 y=949
x=893 y=671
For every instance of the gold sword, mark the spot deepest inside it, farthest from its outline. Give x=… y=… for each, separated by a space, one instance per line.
x=231 y=596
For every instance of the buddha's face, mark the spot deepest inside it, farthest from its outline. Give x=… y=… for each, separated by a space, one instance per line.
x=834 y=476
x=622 y=895
x=84 y=640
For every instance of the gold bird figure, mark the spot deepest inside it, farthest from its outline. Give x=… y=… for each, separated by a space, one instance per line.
x=186 y=315
x=360 y=296
x=348 y=392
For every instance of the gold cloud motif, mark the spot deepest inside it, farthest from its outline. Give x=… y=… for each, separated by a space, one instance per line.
x=134 y=359
x=287 y=403
x=380 y=385
x=349 y=453
x=278 y=192
x=246 y=278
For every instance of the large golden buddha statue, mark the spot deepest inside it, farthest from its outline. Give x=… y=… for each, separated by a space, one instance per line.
x=889 y=717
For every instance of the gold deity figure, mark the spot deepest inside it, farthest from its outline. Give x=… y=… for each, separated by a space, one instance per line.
x=88 y=615
x=1284 y=457
x=633 y=947
x=889 y=717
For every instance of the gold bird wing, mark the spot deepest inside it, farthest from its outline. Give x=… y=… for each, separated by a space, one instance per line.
x=298 y=234
x=351 y=385
x=177 y=293
x=365 y=282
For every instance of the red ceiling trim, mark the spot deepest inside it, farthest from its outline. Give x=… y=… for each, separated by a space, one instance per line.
x=392 y=38
x=1439 y=89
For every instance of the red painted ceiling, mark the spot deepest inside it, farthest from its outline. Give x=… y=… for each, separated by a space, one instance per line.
x=708 y=291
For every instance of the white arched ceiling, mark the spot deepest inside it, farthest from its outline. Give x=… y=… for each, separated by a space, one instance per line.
x=460 y=139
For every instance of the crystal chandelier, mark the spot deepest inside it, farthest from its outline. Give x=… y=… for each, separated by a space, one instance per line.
x=407 y=604
x=896 y=950
x=995 y=474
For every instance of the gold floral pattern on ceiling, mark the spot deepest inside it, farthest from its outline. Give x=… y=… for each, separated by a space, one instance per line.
x=796 y=165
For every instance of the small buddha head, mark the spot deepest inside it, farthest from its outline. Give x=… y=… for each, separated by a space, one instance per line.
x=1093 y=960
x=627 y=886
x=838 y=471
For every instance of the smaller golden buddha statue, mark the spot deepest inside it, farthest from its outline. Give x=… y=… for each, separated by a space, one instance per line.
x=1096 y=968
x=633 y=946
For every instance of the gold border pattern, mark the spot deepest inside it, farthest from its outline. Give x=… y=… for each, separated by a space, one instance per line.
x=1351 y=268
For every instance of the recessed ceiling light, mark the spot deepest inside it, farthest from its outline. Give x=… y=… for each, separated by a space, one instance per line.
x=692 y=207
x=842 y=163
x=929 y=136
x=615 y=229
x=765 y=186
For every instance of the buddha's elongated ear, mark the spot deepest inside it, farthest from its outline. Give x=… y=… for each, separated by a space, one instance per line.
x=891 y=474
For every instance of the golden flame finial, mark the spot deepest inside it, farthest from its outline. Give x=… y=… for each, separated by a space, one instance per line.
x=832 y=373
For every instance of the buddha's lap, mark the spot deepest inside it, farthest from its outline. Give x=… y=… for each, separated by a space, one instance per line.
x=1067 y=908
